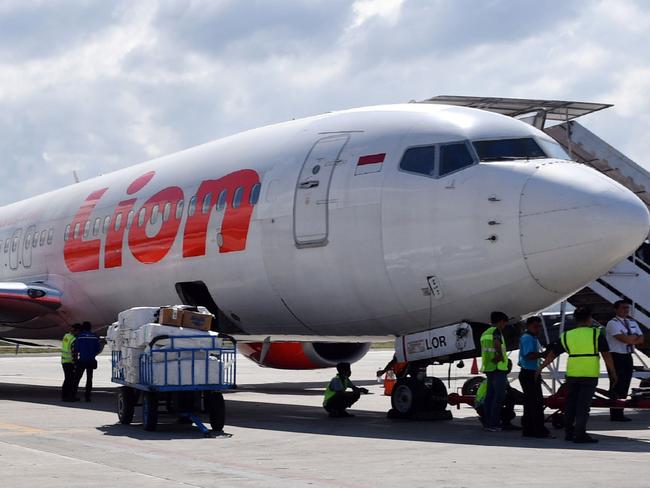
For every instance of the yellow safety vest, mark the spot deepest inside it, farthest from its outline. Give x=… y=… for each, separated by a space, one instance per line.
x=66 y=348
x=481 y=393
x=329 y=393
x=581 y=345
x=488 y=353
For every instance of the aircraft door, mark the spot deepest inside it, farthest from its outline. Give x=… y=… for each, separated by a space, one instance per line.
x=310 y=216
x=29 y=239
x=14 y=250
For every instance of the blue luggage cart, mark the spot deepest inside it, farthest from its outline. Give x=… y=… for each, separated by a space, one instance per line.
x=185 y=373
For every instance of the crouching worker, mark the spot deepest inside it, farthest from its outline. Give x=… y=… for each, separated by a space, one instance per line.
x=337 y=398
x=507 y=411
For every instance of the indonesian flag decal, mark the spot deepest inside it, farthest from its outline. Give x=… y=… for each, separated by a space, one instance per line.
x=371 y=163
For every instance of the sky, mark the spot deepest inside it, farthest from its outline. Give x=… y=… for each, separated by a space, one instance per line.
x=95 y=86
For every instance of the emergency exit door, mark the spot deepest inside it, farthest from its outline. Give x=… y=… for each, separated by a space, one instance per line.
x=311 y=203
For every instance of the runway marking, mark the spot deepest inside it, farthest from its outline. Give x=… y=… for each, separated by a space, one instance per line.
x=84 y=461
x=20 y=428
x=235 y=471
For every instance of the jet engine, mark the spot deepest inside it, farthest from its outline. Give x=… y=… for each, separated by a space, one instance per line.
x=303 y=355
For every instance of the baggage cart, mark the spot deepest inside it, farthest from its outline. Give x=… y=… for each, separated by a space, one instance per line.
x=186 y=374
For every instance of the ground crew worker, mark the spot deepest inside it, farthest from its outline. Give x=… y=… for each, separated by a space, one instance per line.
x=583 y=370
x=494 y=361
x=623 y=333
x=67 y=362
x=86 y=347
x=337 y=399
x=532 y=422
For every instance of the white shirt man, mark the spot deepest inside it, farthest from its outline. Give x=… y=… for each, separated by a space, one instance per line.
x=622 y=333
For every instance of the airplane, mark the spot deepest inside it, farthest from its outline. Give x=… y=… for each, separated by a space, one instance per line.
x=323 y=234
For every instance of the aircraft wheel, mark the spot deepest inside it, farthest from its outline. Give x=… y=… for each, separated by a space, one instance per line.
x=470 y=387
x=407 y=396
x=645 y=383
x=216 y=408
x=125 y=404
x=150 y=411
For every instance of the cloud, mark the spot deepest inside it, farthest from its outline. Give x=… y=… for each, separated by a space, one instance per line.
x=95 y=86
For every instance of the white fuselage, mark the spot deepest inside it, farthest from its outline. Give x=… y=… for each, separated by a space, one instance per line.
x=350 y=255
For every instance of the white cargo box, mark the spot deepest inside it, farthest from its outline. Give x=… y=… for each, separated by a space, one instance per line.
x=134 y=318
x=148 y=332
x=186 y=372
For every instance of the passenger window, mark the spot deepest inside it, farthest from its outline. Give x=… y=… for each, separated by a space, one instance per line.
x=129 y=219
x=221 y=201
x=141 y=216
x=28 y=241
x=43 y=237
x=454 y=157
x=179 y=209
x=14 y=245
x=154 y=214
x=255 y=194
x=118 y=222
x=35 y=240
x=421 y=160
x=191 y=207
x=66 y=234
x=50 y=236
x=107 y=224
x=77 y=230
x=236 y=198
x=207 y=200
x=96 y=226
x=7 y=244
x=86 y=229
x=167 y=211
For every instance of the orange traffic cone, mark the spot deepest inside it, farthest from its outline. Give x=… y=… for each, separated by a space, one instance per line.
x=474 y=366
x=389 y=383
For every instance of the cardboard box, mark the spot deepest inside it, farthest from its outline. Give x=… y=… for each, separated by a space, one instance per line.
x=196 y=320
x=171 y=316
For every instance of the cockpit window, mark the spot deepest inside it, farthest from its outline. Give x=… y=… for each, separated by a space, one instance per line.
x=454 y=157
x=553 y=149
x=505 y=149
x=421 y=160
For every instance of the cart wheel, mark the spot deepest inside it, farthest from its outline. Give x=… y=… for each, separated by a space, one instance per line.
x=471 y=386
x=216 y=408
x=557 y=420
x=150 y=411
x=125 y=404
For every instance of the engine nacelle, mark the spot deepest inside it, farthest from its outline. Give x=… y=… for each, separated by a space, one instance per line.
x=303 y=355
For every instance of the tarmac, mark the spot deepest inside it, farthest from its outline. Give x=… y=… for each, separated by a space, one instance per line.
x=277 y=434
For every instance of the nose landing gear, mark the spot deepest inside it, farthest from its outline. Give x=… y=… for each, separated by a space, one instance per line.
x=419 y=397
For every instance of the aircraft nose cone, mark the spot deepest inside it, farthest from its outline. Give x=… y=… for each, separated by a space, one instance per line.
x=576 y=224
